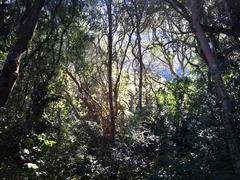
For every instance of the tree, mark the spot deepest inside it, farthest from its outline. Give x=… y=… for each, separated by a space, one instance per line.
x=223 y=95
x=111 y=126
x=165 y=74
x=24 y=33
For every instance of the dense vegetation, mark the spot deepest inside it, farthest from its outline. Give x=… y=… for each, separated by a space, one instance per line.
x=119 y=89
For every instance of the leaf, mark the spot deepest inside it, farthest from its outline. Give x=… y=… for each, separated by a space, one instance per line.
x=32 y=166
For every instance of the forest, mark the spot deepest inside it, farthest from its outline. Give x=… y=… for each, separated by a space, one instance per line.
x=120 y=89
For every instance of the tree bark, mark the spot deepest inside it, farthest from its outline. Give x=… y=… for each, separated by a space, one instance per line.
x=111 y=127
x=221 y=91
x=24 y=34
x=140 y=60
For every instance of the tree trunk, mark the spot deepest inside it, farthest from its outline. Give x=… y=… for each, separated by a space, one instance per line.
x=111 y=126
x=24 y=34
x=221 y=91
x=140 y=60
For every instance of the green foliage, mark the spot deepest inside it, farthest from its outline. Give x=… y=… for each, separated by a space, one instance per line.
x=53 y=124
